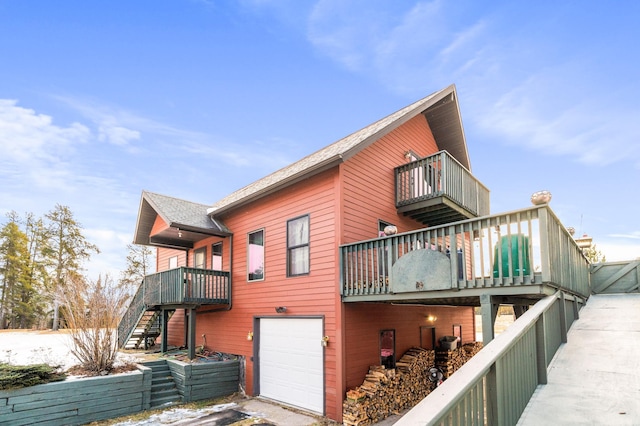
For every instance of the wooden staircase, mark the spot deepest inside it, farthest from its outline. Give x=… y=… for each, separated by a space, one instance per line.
x=163 y=388
x=146 y=330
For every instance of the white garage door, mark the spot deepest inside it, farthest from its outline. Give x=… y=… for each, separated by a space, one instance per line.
x=291 y=367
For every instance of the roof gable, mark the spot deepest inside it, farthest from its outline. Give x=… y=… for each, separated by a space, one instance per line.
x=178 y=215
x=440 y=109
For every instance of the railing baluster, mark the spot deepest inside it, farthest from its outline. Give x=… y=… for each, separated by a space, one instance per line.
x=516 y=248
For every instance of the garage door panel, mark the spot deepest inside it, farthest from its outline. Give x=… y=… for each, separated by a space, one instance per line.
x=291 y=362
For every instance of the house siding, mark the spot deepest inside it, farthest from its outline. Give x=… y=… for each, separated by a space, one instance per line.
x=368 y=180
x=344 y=205
x=363 y=323
x=164 y=254
x=314 y=294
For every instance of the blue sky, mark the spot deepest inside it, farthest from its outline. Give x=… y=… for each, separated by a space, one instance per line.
x=195 y=99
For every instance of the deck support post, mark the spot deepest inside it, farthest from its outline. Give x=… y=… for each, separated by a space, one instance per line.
x=519 y=310
x=489 y=310
x=191 y=345
x=164 y=329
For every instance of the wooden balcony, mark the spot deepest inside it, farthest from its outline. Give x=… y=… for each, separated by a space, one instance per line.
x=525 y=254
x=174 y=289
x=438 y=189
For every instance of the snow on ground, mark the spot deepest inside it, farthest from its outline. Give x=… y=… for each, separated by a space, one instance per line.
x=27 y=347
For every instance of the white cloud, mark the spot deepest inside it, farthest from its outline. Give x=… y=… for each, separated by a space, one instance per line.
x=26 y=136
x=615 y=251
x=542 y=115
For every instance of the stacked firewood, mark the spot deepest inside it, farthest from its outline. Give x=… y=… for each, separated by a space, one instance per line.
x=389 y=391
x=448 y=361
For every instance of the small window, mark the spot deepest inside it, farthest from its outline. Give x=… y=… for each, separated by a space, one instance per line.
x=298 y=246
x=200 y=258
x=255 y=261
x=216 y=257
x=381 y=226
x=388 y=348
x=173 y=262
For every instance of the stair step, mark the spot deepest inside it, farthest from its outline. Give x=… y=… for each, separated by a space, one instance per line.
x=165 y=402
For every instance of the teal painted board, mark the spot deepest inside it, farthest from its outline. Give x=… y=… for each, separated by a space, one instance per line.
x=71 y=388
x=108 y=394
x=19 y=419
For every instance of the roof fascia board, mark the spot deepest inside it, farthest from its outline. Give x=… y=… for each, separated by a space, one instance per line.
x=312 y=171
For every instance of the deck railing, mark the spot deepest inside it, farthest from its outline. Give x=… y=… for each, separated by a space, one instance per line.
x=440 y=175
x=495 y=386
x=179 y=286
x=519 y=248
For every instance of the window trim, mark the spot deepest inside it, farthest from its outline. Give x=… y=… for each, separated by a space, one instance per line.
x=249 y=279
x=176 y=261
x=307 y=244
x=381 y=225
x=214 y=253
x=392 y=358
x=197 y=251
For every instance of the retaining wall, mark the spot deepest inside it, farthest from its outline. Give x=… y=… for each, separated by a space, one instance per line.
x=78 y=401
x=205 y=380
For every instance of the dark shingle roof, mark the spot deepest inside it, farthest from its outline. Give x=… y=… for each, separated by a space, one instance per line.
x=177 y=213
x=451 y=138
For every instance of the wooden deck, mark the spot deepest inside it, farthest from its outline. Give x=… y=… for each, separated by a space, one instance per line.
x=179 y=288
x=437 y=189
x=526 y=253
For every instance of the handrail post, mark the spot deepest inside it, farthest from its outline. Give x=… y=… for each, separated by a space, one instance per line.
x=453 y=257
x=563 y=318
x=545 y=249
x=541 y=350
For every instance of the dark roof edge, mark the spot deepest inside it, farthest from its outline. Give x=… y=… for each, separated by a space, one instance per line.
x=311 y=171
x=261 y=188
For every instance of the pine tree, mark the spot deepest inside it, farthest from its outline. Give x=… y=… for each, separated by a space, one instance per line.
x=14 y=273
x=66 y=251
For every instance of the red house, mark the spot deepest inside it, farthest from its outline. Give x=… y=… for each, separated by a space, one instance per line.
x=317 y=271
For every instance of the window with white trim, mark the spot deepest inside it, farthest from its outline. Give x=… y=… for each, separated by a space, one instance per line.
x=173 y=262
x=255 y=256
x=216 y=257
x=298 y=246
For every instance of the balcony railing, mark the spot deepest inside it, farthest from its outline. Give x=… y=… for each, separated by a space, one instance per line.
x=422 y=185
x=520 y=248
x=175 y=287
x=495 y=386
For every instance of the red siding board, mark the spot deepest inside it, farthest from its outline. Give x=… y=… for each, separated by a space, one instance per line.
x=344 y=205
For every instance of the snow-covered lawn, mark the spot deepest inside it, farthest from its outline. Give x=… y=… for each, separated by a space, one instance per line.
x=26 y=347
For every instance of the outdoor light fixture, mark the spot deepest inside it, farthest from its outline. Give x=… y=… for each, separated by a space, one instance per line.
x=281 y=309
x=431 y=318
x=325 y=341
x=250 y=336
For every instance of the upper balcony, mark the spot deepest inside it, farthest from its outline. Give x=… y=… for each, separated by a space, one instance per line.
x=438 y=189
x=527 y=254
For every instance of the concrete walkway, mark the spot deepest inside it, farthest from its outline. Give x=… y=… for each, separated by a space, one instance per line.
x=594 y=379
